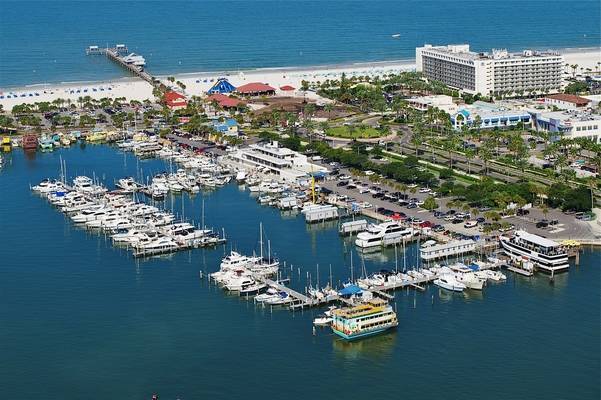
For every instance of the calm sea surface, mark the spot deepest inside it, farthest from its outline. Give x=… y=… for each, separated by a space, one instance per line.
x=44 y=41
x=81 y=319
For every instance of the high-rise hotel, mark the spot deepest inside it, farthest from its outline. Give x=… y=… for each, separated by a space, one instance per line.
x=497 y=73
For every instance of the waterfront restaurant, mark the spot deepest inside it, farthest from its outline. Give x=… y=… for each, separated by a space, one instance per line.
x=255 y=89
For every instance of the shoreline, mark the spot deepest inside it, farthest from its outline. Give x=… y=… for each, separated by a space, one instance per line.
x=133 y=88
x=567 y=51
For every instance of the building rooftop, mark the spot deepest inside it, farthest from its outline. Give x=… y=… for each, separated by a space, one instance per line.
x=224 y=101
x=463 y=51
x=569 y=98
x=255 y=87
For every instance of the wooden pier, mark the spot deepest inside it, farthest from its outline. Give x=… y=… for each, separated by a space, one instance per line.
x=116 y=54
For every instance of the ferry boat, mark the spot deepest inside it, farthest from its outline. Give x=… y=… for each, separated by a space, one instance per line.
x=367 y=319
x=547 y=255
x=383 y=234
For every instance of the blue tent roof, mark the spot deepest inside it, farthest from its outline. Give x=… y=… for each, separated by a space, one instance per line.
x=350 y=290
x=474 y=267
x=221 y=86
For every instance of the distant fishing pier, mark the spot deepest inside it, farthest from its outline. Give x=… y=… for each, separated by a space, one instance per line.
x=134 y=63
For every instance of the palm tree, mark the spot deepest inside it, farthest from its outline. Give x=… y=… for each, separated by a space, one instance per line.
x=470 y=153
x=574 y=68
x=328 y=108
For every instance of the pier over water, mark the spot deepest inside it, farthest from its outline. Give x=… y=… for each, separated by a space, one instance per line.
x=132 y=62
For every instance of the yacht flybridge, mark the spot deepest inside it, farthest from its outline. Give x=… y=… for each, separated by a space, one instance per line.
x=384 y=234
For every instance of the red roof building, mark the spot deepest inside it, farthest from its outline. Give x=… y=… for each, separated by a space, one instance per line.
x=225 y=101
x=255 y=89
x=287 y=88
x=566 y=101
x=175 y=101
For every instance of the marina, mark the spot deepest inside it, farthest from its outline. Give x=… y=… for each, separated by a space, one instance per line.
x=417 y=309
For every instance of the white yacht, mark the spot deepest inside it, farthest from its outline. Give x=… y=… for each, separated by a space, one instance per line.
x=383 y=234
x=48 y=186
x=448 y=281
x=545 y=254
x=128 y=185
x=161 y=244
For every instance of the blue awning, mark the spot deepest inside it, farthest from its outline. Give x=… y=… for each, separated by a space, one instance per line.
x=350 y=290
x=474 y=267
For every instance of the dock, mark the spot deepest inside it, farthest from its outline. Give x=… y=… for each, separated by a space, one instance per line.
x=117 y=55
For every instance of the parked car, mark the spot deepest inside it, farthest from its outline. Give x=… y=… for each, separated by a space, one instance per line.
x=342 y=183
x=521 y=211
x=470 y=224
x=438 y=228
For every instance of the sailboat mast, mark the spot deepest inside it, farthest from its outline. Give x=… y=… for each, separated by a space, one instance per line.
x=352 y=267
x=261 y=238
x=396 y=259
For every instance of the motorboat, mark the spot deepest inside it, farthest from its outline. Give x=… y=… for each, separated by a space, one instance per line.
x=128 y=185
x=383 y=234
x=494 y=276
x=448 y=282
x=322 y=320
x=48 y=186
x=280 y=299
x=269 y=294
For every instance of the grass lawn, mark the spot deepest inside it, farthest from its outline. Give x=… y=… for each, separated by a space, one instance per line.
x=357 y=133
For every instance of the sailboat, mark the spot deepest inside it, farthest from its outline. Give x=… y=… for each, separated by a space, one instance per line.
x=396 y=35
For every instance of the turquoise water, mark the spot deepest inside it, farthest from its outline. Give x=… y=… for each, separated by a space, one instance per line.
x=81 y=319
x=44 y=41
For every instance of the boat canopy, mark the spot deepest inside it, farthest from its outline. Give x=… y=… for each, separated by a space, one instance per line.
x=474 y=267
x=350 y=290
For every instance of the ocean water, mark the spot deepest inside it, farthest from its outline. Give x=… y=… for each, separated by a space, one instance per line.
x=44 y=41
x=81 y=319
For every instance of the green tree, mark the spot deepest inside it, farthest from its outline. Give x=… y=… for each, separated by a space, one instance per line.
x=430 y=203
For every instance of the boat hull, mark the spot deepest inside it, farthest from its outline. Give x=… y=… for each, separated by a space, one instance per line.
x=364 y=334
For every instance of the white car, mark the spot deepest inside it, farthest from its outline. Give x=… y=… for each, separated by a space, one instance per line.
x=365 y=204
x=425 y=190
x=470 y=224
x=369 y=173
x=343 y=177
x=363 y=189
x=412 y=185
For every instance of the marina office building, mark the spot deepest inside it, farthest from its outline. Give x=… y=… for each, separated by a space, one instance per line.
x=289 y=165
x=497 y=73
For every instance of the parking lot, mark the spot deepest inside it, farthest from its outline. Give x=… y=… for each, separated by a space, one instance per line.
x=556 y=224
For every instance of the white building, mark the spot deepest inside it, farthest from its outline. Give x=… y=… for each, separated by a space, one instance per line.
x=287 y=164
x=442 y=102
x=568 y=124
x=490 y=115
x=498 y=73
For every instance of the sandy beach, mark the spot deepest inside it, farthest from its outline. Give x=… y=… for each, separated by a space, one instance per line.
x=198 y=83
